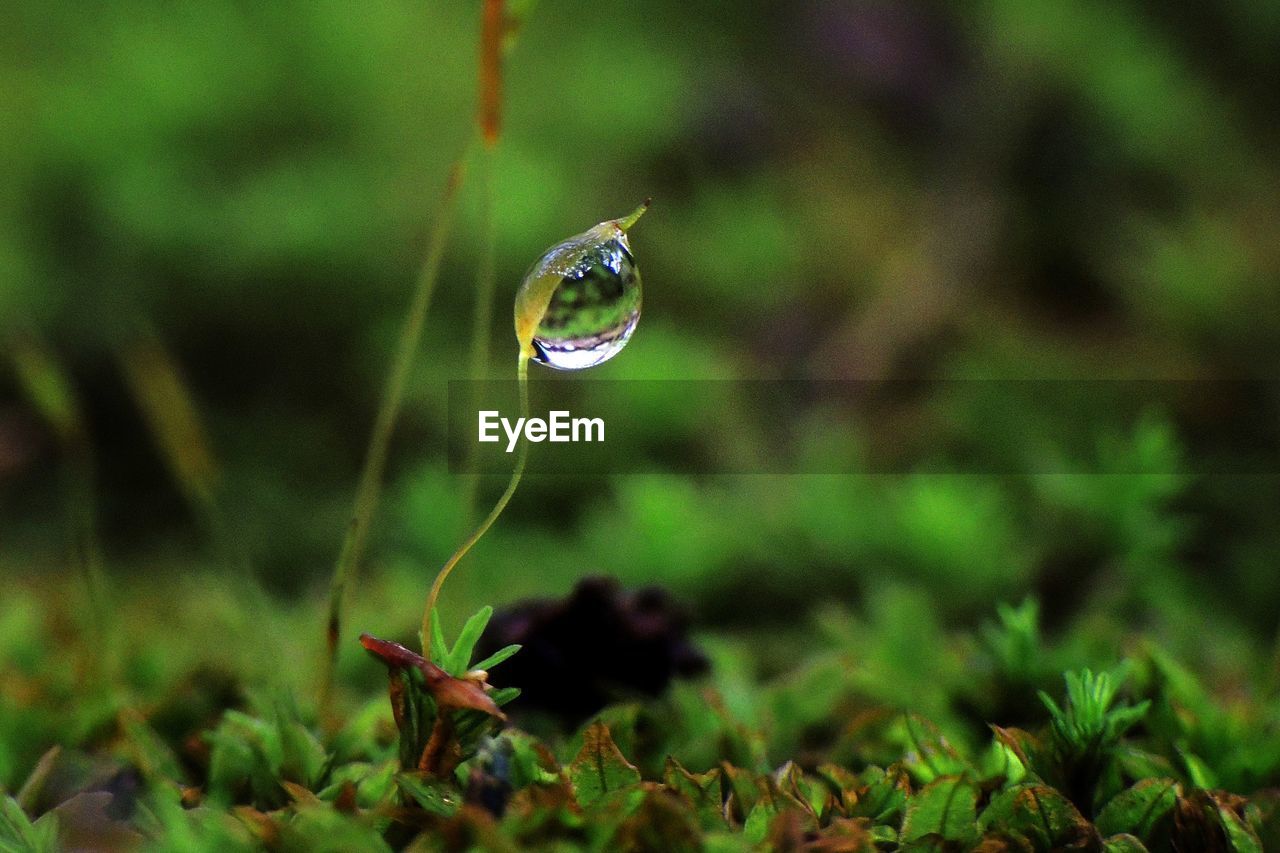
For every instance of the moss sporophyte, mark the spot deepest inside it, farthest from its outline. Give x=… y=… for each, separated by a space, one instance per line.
x=576 y=307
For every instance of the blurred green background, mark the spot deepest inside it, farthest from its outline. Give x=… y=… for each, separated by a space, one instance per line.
x=226 y=204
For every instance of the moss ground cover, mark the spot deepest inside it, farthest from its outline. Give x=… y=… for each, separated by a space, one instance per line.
x=1022 y=597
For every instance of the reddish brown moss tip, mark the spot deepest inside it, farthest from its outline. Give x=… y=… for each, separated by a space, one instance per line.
x=449 y=692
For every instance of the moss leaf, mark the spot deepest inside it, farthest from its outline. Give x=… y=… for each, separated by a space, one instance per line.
x=946 y=807
x=600 y=766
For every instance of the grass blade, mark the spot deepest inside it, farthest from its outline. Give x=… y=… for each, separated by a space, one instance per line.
x=369 y=489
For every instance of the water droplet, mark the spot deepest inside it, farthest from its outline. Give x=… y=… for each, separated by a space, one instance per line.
x=580 y=303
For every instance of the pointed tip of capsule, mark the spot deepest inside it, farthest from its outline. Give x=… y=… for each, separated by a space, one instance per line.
x=627 y=221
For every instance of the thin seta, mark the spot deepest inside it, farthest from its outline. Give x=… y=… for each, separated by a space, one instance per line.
x=577 y=307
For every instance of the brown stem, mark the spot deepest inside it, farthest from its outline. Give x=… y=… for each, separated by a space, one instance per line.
x=492 y=27
x=437 y=751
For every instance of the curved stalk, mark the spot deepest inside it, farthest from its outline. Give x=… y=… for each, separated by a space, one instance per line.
x=522 y=456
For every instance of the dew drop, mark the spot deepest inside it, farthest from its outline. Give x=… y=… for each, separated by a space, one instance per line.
x=580 y=303
x=593 y=310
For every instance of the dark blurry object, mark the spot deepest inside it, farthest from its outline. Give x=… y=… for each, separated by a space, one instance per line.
x=598 y=645
x=902 y=58
x=93 y=798
x=86 y=822
x=489 y=787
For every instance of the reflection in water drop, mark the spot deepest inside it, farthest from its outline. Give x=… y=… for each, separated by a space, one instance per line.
x=593 y=309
